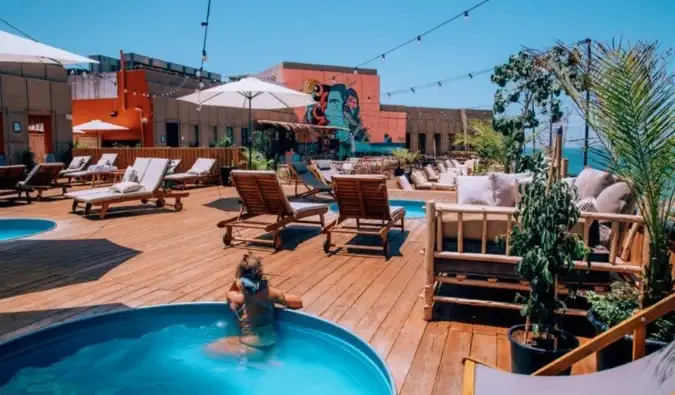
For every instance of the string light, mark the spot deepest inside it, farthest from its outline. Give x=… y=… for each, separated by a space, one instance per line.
x=418 y=37
x=384 y=56
x=438 y=83
x=466 y=15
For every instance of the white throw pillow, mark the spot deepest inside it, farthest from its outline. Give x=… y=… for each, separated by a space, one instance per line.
x=448 y=178
x=587 y=205
x=127 y=187
x=75 y=164
x=130 y=175
x=503 y=187
x=474 y=190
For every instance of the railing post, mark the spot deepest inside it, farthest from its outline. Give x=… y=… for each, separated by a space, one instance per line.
x=429 y=261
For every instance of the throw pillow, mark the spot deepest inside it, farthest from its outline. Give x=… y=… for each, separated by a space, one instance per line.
x=503 y=187
x=591 y=182
x=474 y=190
x=76 y=163
x=588 y=205
x=616 y=199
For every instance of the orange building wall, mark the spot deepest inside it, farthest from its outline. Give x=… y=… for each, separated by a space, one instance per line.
x=133 y=80
x=367 y=88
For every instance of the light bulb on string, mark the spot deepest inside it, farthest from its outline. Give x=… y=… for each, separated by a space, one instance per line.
x=384 y=56
x=419 y=39
x=466 y=15
x=470 y=75
x=440 y=84
x=356 y=71
x=412 y=90
x=198 y=73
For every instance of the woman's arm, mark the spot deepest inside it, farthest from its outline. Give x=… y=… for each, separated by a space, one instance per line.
x=290 y=301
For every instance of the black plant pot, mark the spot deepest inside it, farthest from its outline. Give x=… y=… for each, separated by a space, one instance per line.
x=399 y=172
x=225 y=175
x=526 y=359
x=620 y=352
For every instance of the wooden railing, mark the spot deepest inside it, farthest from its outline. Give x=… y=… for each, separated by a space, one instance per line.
x=188 y=156
x=637 y=324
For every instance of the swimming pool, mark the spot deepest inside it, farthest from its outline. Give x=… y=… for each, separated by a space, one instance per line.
x=413 y=208
x=160 y=350
x=17 y=228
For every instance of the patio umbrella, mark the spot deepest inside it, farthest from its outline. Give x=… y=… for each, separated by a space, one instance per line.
x=23 y=50
x=253 y=93
x=97 y=125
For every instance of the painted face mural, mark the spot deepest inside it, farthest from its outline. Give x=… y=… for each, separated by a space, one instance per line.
x=337 y=105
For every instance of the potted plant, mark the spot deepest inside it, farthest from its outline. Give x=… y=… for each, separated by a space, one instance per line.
x=401 y=155
x=632 y=111
x=546 y=214
x=28 y=159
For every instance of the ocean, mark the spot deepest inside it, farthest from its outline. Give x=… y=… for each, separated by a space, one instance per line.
x=575 y=155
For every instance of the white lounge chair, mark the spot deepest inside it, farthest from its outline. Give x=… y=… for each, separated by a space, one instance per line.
x=104 y=165
x=203 y=170
x=78 y=163
x=139 y=167
x=148 y=187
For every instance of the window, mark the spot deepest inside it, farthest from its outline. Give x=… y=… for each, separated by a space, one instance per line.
x=244 y=136
x=229 y=132
x=17 y=127
x=215 y=134
x=197 y=141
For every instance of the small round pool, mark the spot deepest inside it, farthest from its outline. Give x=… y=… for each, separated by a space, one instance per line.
x=161 y=350
x=414 y=209
x=17 y=228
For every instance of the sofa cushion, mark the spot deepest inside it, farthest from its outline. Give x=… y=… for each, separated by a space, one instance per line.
x=417 y=178
x=591 y=182
x=587 y=204
x=504 y=187
x=616 y=199
x=474 y=190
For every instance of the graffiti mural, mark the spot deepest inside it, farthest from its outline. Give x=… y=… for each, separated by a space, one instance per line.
x=337 y=105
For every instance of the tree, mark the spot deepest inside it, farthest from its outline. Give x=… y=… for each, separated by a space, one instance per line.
x=532 y=91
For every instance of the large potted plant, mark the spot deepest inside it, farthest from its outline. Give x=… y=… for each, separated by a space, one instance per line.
x=401 y=155
x=542 y=238
x=631 y=108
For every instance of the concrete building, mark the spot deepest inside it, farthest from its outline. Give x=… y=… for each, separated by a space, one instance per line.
x=140 y=93
x=35 y=111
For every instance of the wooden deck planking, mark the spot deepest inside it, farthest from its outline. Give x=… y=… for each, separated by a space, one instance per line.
x=142 y=258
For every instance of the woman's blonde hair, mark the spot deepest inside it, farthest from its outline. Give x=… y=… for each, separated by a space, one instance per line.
x=250 y=267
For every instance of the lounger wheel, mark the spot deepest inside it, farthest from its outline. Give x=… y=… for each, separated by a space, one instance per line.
x=178 y=206
x=326 y=246
x=144 y=201
x=87 y=209
x=160 y=203
x=227 y=239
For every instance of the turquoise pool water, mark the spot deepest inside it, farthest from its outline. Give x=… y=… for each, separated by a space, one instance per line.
x=16 y=228
x=172 y=360
x=413 y=208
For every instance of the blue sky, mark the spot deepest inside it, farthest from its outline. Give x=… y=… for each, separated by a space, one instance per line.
x=248 y=36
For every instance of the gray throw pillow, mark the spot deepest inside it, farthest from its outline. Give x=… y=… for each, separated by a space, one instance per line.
x=591 y=182
x=616 y=199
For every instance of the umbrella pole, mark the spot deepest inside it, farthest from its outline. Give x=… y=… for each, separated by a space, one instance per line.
x=250 y=135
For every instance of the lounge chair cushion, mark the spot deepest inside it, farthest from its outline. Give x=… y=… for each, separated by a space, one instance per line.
x=616 y=199
x=300 y=207
x=404 y=184
x=154 y=174
x=418 y=178
x=323 y=164
x=455 y=162
x=126 y=187
x=76 y=163
x=448 y=179
x=395 y=210
x=430 y=173
x=591 y=182
x=130 y=175
x=198 y=172
x=202 y=166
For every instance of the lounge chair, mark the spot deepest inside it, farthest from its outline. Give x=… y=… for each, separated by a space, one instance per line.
x=303 y=174
x=202 y=171
x=9 y=179
x=148 y=187
x=78 y=163
x=41 y=178
x=139 y=167
x=404 y=184
x=431 y=174
x=266 y=207
x=421 y=182
x=326 y=170
x=364 y=197
x=104 y=165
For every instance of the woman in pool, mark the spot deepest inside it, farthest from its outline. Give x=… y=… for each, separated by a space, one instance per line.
x=252 y=301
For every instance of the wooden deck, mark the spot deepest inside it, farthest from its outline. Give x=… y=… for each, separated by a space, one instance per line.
x=140 y=257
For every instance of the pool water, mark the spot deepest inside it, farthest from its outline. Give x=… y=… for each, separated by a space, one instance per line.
x=16 y=228
x=173 y=361
x=413 y=208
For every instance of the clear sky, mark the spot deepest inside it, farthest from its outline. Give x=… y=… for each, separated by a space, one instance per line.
x=248 y=36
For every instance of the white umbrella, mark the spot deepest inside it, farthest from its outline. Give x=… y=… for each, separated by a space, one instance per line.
x=253 y=93
x=97 y=125
x=23 y=50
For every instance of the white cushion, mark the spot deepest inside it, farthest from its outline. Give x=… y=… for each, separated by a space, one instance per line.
x=130 y=175
x=448 y=178
x=587 y=205
x=198 y=172
x=503 y=187
x=76 y=163
x=474 y=190
x=126 y=187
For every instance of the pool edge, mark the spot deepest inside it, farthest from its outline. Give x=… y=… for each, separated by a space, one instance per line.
x=55 y=225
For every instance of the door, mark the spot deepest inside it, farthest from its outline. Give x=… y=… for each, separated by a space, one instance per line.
x=422 y=143
x=172 y=135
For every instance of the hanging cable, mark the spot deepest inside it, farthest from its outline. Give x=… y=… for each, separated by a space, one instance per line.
x=437 y=83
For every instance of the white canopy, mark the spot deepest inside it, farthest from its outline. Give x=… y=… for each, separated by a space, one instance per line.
x=97 y=126
x=18 y=49
x=250 y=92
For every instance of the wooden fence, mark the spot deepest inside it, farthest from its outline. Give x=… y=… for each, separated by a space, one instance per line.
x=188 y=156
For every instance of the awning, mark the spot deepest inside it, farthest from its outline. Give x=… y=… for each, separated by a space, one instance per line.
x=300 y=127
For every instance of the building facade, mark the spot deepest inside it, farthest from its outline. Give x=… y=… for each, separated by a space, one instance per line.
x=35 y=112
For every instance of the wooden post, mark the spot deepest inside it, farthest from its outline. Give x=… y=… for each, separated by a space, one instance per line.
x=429 y=262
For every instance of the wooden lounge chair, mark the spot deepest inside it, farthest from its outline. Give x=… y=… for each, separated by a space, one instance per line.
x=78 y=163
x=41 y=178
x=149 y=187
x=364 y=197
x=302 y=173
x=404 y=184
x=202 y=171
x=9 y=179
x=266 y=207
x=651 y=374
x=104 y=165
x=325 y=170
x=140 y=166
